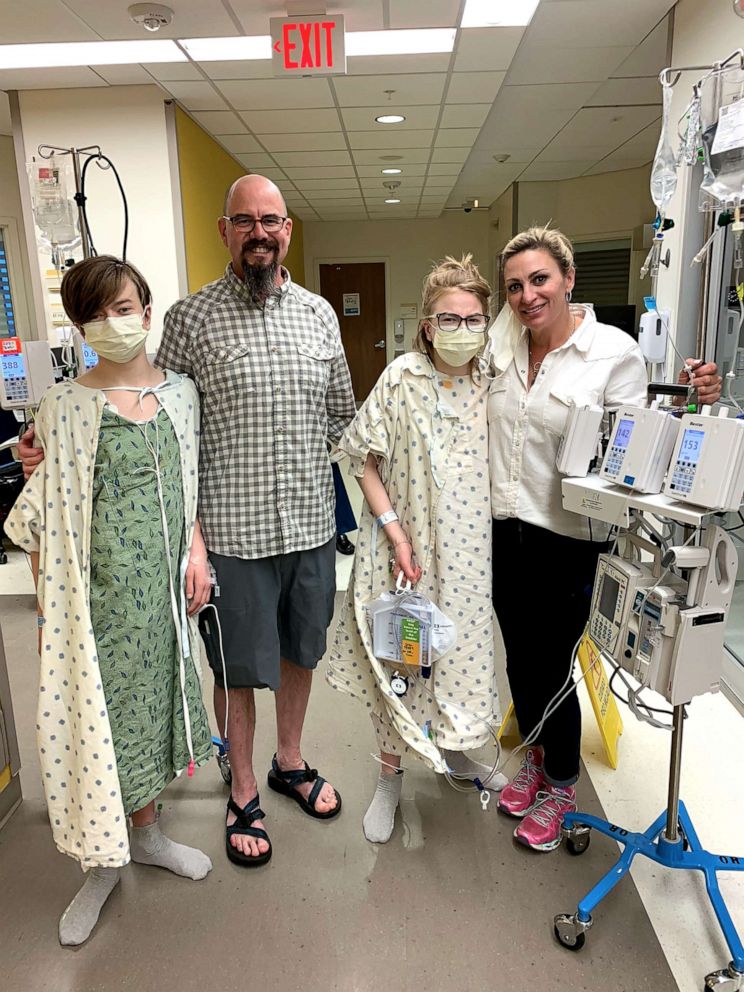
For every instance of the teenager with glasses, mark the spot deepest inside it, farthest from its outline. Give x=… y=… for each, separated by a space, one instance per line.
x=418 y=446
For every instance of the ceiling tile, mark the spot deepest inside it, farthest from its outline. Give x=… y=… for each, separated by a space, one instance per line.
x=240 y=143
x=624 y=92
x=360 y=15
x=380 y=65
x=456 y=137
x=577 y=22
x=363 y=118
x=556 y=152
x=279 y=177
x=300 y=173
x=244 y=69
x=256 y=162
x=331 y=194
x=219 y=121
x=197 y=96
x=111 y=20
x=444 y=169
x=474 y=87
x=41 y=79
x=486 y=49
x=308 y=185
x=554 y=171
x=373 y=171
x=276 y=94
x=552 y=64
x=167 y=71
x=123 y=75
x=286 y=121
x=403 y=156
x=606 y=125
x=289 y=159
x=315 y=141
x=615 y=163
x=370 y=91
x=383 y=139
x=432 y=14
x=461 y=115
x=30 y=22
x=454 y=156
x=650 y=57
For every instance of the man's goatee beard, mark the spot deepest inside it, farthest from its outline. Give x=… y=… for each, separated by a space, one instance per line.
x=260 y=280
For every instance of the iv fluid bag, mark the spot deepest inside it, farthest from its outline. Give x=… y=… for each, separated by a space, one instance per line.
x=54 y=209
x=722 y=123
x=664 y=170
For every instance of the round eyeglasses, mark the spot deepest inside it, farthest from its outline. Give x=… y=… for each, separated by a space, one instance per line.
x=453 y=321
x=271 y=223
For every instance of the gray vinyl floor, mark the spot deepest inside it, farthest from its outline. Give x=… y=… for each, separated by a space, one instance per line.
x=451 y=903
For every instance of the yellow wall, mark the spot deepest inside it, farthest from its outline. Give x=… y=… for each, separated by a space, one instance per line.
x=206 y=170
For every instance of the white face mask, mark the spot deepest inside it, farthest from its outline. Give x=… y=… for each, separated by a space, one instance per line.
x=119 y=339
x=456 y=348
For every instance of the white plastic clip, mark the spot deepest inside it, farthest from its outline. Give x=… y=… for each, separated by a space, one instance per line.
x=399 y=588
x=485 y=798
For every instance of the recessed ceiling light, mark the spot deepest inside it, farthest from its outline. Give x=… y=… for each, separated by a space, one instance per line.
x=390 y=119
x=498 y=13
x=55 y=55
x=391 y=172
x=390 y=158
x=392 y=200
x=228 y=49
x=408 y=42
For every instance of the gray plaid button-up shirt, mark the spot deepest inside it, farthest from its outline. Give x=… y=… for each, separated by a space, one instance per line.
x=274 y=387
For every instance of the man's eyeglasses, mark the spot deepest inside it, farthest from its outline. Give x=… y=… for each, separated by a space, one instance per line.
x=271 y=223
x=453 y=321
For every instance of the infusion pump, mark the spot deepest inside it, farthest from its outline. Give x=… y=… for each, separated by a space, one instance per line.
x=640 y=447
x=85 y=357
x=707 y=467
x=27 y=372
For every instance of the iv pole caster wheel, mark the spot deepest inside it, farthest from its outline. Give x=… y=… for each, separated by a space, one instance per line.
x=569 y=931
x=225 y=771
x=577 y=838
x=725 y=980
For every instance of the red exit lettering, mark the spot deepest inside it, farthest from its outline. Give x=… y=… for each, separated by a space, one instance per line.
x=312 y=40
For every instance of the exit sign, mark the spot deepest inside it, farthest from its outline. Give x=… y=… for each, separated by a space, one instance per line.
x=308 y=46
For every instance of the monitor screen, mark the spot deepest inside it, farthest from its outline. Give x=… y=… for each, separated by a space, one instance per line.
x=692 y=445
x=14 y=367
x=608 y=597
x=90 y=358
x=623 y=432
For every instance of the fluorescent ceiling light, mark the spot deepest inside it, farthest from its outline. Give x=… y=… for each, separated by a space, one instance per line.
x=498 y=13
x=391 y=172
x=88 y=53
x=392 y=200
x=414 y=42
x=390 y=119
x=228 y=49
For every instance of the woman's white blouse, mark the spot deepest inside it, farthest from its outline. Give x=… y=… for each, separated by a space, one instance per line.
x=598 y=364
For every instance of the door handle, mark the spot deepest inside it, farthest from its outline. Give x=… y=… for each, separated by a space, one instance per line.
x=380 y=344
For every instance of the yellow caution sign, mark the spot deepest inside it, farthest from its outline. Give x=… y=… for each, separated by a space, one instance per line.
x=603 y=703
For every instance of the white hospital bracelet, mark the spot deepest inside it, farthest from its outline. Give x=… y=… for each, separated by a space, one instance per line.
x=386 y=518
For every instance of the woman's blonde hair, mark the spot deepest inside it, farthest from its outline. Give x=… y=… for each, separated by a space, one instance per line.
x=447 y=275
x=548 y=239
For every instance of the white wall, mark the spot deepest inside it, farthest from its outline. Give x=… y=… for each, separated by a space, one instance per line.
x=408 y=247
x=128 y=122
x=703 y=33
x=11 y=217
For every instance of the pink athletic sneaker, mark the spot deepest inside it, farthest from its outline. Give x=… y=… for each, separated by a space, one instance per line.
x=518 y=797
x=541 y=828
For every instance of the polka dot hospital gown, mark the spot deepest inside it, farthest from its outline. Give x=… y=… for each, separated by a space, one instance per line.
x=53 y=517
x=428 y=432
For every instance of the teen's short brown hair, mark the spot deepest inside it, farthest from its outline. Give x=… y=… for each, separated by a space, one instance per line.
x=93 y=284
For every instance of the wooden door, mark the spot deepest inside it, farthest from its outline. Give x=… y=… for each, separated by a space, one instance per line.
x=356 y=291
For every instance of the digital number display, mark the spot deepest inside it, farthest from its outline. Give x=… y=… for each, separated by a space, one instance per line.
x=14 y=367
x=608 y=597
x=622 y=435
x=692 y=444
x=90 y=358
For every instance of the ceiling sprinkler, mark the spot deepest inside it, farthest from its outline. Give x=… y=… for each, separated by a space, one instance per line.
x=391 y=184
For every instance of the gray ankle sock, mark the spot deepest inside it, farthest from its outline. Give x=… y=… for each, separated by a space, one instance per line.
x=78 y=920
x=380 y=817
x=462 y=764
x=148 y=846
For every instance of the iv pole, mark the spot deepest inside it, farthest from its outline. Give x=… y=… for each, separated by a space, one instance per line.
x=92 y=151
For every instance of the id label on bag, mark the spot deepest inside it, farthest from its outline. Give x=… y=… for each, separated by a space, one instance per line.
x=410 y=647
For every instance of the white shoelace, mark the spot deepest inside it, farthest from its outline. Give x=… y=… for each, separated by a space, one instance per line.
x=549 y=805
x=525 y=777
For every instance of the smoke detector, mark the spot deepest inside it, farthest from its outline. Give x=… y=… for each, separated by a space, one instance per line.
x=152 y=16
x=391 y=184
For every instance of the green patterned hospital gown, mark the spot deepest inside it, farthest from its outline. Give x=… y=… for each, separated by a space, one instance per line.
x=131 y=608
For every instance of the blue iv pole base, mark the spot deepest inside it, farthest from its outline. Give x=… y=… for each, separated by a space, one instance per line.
x=686 y=853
